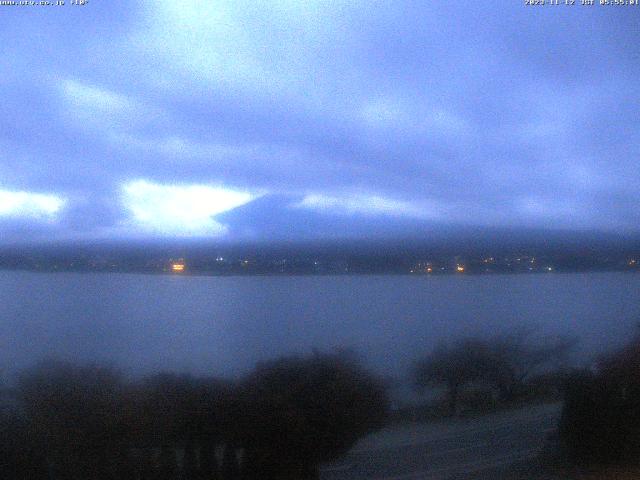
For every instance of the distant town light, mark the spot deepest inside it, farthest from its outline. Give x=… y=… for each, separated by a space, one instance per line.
x=460 y=268
x=177 y=267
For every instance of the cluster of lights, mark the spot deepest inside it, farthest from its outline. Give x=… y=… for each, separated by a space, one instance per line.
x=429 y=268
x=177 y=267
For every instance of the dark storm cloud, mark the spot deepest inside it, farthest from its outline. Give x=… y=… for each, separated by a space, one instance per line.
x=508 y=115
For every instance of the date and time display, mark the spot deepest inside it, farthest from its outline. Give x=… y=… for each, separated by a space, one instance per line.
x=586 y=3
x=42 y=3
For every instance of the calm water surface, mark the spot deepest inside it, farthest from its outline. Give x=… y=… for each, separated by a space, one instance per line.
x=224 y=325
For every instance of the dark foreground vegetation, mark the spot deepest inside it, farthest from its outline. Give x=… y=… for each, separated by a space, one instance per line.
x=70 y=422
x=62 y=421
x=600 y=421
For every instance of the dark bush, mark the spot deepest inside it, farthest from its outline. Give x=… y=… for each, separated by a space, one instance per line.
x=300 y=412
x=74 y=414
x=177 y=413
x=20 y=457
x=288 y=416
x=600 y=420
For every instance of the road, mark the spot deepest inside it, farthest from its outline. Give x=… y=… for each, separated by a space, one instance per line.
x=459 y=449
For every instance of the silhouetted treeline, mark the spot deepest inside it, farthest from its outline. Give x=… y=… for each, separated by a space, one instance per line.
x=72 y=422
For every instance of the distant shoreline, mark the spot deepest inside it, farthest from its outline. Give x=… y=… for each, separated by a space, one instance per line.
x=319 y=274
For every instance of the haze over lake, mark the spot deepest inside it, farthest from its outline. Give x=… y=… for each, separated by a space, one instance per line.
x=223 y=325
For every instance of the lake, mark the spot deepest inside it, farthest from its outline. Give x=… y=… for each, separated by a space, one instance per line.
x=223 y=325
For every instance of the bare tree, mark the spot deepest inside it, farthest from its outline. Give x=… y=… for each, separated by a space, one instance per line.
x=453 y=366
x=504 y=362
x=517 y=357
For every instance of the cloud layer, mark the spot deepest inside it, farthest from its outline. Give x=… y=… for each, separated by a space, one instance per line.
x=180 y=210
x=167 y=115
x=30 y=205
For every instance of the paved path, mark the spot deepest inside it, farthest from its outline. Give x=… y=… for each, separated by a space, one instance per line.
x=461 y=449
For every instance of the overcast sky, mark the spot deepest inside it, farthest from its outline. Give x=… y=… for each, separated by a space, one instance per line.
x=218 y=119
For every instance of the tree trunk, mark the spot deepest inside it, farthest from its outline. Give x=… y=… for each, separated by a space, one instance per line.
x=453 y=399
x=122 y=463
x=189 y=462
x=311 y=472
x=145 y=465
x=208 y=461
x=230 y=469
x=168 y=463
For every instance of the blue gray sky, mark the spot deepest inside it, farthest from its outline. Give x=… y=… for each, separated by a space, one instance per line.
x=233 y=119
